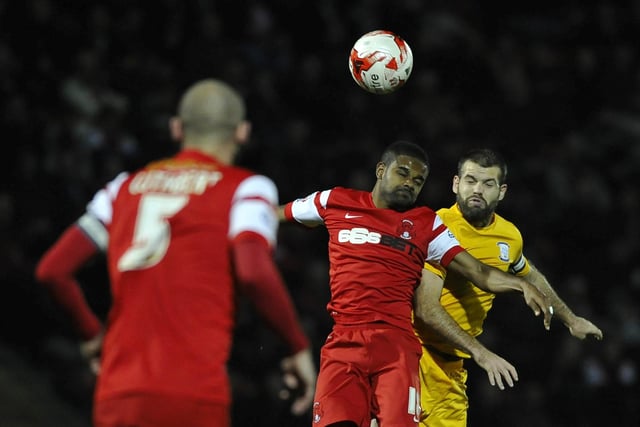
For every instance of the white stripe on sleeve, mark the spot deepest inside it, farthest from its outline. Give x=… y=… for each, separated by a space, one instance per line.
x=95 y=229
x=101 y=206
x=253 y=208
x=442 y=244
x=305 y=210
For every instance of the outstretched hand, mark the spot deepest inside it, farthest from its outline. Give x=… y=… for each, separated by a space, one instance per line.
x=581 y=328
x=498 y=369
x=91 y=350
x=538 y=302
x=299 y=373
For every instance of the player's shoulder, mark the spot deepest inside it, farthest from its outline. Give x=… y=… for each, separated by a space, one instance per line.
x=506 y=227
x=248 y=183
x=504 y=222
x=256 y=184
x=421 y=214
x=423 y=211
x=352 y=195
x=346 y=191
x=424 y=208
x=113 y=186
x=449 y=214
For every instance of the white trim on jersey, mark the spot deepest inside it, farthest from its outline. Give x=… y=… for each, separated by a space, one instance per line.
x=254 y=208
x=101 y=206
x=305 y=210
x=437 y=222
x=95 y=230
x=441 y=244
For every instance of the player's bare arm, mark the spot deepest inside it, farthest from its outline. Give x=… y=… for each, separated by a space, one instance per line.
x=494 y=280
x=280 y=213
x=578 y=326
x=430 y=317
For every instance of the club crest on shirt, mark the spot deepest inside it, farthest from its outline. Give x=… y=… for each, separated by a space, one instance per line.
x=405 y=230
x=318 y=412
x=504 y=251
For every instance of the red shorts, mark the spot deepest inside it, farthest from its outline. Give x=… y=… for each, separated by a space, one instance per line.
x=368 y=371
x=144 y=410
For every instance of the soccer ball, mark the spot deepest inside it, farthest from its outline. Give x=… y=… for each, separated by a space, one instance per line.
x=380 y=62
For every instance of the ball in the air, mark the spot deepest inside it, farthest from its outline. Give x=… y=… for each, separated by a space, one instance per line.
x=380 y=62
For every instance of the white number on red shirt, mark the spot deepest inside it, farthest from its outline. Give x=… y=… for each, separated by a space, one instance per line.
x=152 y=233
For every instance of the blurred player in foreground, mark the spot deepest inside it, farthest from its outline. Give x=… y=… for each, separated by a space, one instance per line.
x=460 y=308
x=378 y=244
x=180 y=235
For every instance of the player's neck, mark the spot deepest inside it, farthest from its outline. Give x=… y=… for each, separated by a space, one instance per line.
x=224 y=153
x=378 y=201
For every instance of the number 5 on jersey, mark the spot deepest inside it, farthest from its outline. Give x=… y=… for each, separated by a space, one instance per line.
x=152 y=233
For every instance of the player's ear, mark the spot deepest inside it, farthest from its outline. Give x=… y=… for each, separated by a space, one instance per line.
x=503 y=191
x=175 y=128
x=455 y=184
x=380 y=170
x=243 y=132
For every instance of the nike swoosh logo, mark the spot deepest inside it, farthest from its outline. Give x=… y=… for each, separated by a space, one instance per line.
x=349 y=216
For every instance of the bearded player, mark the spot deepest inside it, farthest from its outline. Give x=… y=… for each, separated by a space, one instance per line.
x=379 y=241
x=458 y=308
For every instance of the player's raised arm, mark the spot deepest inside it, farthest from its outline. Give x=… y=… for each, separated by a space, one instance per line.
x=430 y=317
x=305 y=210
x=494 y=280
x=578 y=326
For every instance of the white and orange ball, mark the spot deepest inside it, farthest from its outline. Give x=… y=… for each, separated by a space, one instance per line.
x=381 y=62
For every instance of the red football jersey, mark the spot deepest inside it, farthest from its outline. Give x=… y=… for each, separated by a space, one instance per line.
x=376 y=255
x=169 y=231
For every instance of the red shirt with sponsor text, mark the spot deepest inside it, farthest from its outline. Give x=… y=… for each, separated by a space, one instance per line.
x=376 y=255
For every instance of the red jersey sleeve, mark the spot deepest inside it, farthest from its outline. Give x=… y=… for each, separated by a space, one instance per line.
x=259 y=279
x=56 y=271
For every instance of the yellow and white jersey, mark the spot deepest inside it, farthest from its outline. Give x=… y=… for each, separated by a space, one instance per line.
x=498 y=245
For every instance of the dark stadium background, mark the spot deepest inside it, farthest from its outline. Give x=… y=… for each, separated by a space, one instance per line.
x=87 y=88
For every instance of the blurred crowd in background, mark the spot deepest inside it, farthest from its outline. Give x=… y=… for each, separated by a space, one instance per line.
x=87 y=88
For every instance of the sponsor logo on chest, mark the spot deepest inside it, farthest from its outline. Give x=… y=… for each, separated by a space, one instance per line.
x=361 y=236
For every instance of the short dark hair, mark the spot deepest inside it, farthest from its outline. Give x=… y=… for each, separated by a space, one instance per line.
x=486 y=158
x=404 y=148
